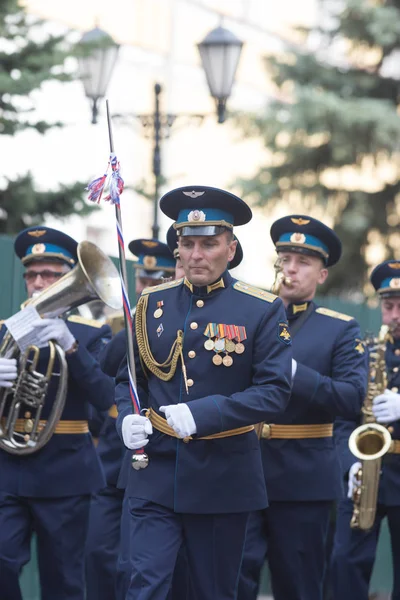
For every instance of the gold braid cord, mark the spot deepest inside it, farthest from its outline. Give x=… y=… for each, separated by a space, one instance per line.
x=146 y=355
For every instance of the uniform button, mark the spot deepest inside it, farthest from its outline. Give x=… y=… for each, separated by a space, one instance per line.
x=193 y=325
x=200 y=303
x=397 y=352
x=191 y=354
x=395 y=369
x=395 y=390
x=190 y=382
x=390 y=429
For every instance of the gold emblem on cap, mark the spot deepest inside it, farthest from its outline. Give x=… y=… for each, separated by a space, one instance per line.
x=149 y=244
x=149 y=262
x=37 y=232
x=196 y=216
x=298 y=238
x=394 y=265
x=38 y=248
x=395 y=283
x=193 y=194
x=300 y=221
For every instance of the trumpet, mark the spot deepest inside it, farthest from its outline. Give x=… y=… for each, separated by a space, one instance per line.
x=280 y=278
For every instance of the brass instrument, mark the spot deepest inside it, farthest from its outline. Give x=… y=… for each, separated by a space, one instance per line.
x=94 y=276
x=370 y=441
x=280 y=278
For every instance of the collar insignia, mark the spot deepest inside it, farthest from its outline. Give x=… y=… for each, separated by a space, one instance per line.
x=299 y=307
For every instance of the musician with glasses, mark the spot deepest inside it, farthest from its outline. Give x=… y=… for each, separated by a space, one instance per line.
x=354 y=550
x=48 y=492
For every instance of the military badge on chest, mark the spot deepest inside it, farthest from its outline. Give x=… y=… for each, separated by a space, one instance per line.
x=224 y=340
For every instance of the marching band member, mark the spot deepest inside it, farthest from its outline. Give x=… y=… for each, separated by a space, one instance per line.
x=301 y=467
x=354 y=550
x=49 y=491
x=212 y=360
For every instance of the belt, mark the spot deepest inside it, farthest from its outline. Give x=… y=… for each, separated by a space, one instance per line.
x=394 y=447
x=25 y=426
x=292 y=432
x=113 y=411
x=161 y=425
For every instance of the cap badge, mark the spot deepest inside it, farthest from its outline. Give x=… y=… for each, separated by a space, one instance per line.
x=149 y=262
x=38 y=248
x=149 y=244
x=395 y=283
x=196 y=216
x=394 y=265
x=298 y=238
x=37 y=232
x=193 y=194
x=300 y=221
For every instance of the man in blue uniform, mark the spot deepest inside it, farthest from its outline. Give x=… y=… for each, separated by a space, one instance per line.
x=300 y=461
x=215 y=357
x=154 y=263
x=49 y=491
x=354 y=549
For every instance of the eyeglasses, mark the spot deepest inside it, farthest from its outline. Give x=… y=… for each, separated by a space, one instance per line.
x=46 y=275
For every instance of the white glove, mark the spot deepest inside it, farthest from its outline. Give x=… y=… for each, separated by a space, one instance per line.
x=8 y=371
x=180 y=419
x=353 y=479
x=386 y=407
x=54 y=329
x=135 y=430
x=294 y=367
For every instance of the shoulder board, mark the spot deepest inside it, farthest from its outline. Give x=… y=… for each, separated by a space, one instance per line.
x=254 y=291
x=83 y=321
x=162 y=286
x=332 y=313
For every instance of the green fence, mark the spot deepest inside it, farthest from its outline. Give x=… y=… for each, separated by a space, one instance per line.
x=13 y=294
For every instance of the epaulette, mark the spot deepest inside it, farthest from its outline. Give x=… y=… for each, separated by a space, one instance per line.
x=83 y=321
x=162 y=286
x=240 y=286
x=333 y=313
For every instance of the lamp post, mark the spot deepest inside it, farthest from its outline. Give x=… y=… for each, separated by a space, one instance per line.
x=96 y=65
x=219 y=52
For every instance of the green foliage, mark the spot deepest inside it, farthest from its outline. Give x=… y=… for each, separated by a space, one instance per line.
x=332 y=131
x=29 y=57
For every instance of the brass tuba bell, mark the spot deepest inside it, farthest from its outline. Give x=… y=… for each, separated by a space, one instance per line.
x=22 y=431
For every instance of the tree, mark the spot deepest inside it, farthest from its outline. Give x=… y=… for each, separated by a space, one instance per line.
x=332 y=132
x=25 y=64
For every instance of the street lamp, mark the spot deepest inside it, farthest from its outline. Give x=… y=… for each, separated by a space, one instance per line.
x=96 y=65
x=219 y=52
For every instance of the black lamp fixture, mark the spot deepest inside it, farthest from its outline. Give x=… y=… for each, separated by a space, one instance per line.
x=96 y=65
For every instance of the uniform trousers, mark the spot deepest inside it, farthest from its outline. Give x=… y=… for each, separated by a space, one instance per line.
x=292 y=536
x=61 y=526
x=102 y=545
x=214 y=545
x=354 y=553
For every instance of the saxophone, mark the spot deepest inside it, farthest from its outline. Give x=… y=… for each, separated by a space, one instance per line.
x=370 y=441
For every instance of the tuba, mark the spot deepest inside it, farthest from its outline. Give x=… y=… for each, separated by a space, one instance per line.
x=21 y=430
x=370 y=441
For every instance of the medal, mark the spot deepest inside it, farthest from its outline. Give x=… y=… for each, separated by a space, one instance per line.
x=229 y=345
x=209 y=344
x=219 y=344
x=239 y=348
x=227 y=360
x=217 y=359
x=158 y=312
